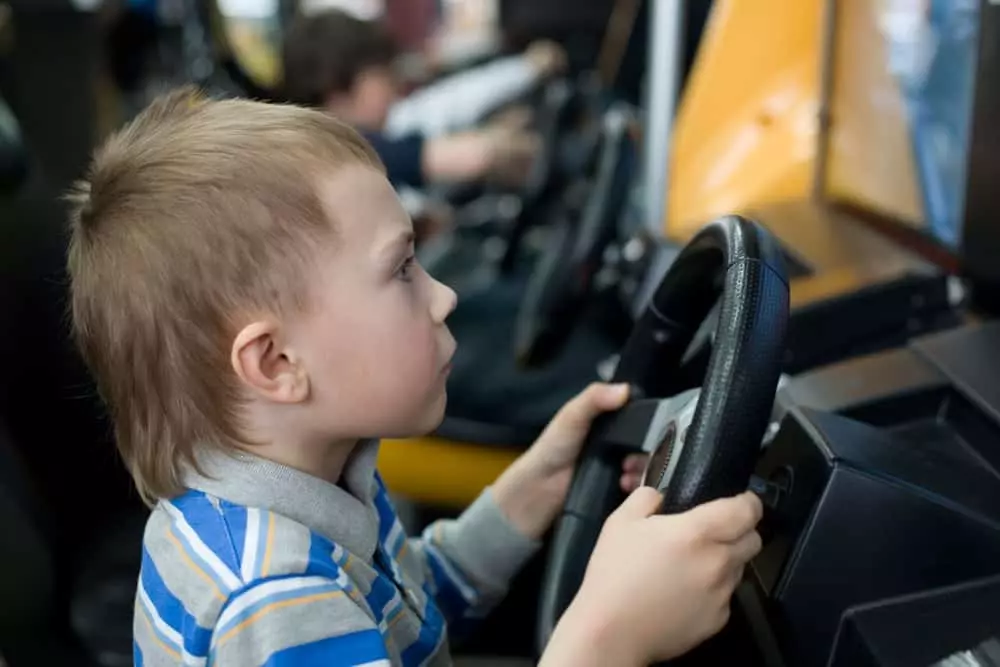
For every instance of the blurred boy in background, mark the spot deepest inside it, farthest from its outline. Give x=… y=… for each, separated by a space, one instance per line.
x=335 y=61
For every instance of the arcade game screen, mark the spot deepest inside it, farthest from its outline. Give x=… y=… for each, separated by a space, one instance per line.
x=901 y=106
x=253 y=29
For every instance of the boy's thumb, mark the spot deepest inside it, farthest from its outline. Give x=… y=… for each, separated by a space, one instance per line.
x=592 y=401
x=641 y=503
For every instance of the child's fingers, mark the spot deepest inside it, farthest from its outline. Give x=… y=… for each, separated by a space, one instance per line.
x=630 y=482
x=580 y=411
x=643 y=502
x=746 y=547
x=633 y=468
x=727 y=519
x=635 y=463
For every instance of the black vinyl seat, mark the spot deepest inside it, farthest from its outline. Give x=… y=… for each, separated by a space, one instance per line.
x=72 y=526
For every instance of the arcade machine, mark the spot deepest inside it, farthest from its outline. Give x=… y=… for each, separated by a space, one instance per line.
x=885 y=547
x=880 y=475
x=760 y=144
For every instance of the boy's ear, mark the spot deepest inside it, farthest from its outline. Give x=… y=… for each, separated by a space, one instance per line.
x=267 y=366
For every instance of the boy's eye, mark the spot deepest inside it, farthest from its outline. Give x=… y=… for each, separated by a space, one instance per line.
x=405 y=270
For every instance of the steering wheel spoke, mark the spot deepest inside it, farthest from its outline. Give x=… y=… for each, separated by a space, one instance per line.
x=643 y=424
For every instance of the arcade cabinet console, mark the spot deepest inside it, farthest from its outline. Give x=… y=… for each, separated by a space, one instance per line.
x=888 y=470
x=882 y=536
x=848 y=144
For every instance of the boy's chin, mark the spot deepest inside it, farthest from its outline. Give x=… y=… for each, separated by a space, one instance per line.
x=436 y=414
x=427 y=422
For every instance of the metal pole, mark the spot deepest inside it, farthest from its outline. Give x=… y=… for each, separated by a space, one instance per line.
x=663 y=76
x=823 y=118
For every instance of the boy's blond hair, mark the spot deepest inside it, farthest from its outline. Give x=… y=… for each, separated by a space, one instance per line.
x=197 y=215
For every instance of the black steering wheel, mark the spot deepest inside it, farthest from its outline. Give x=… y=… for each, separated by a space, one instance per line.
x=515 y=211
x=564 y=275
x=560 y=104
x=705 y=442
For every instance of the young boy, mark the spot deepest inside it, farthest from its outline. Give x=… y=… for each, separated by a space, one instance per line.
x=344 y=65
x=245 y=292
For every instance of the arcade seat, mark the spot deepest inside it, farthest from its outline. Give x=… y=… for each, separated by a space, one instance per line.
x=26 y=581
x=72 y=523
x=59 y=612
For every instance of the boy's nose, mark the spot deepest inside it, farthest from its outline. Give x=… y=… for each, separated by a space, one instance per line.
x=444 y=302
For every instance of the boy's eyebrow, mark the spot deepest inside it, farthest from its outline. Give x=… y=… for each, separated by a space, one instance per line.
x=394 y=248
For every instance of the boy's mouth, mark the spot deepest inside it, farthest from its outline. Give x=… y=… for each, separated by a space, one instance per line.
x=446 y=369
x=449 y=357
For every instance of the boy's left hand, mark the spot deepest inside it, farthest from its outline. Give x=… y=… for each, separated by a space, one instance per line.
x=532 y=491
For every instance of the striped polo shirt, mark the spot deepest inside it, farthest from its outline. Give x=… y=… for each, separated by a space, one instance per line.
x=261 y=564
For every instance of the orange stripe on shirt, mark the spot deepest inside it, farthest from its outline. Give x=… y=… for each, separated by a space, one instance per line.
x=194 y=566
x=270 y=543
x=263 y=611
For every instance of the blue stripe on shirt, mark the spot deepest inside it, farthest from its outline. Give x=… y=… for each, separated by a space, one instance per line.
x=356 y=648
x=431 y=634
x=320 y=550
x=381 y=594
x=386 y=515
x=321 y=560
x=447 y=593
x=171 y=610
x=235 y=517
x=207 y=522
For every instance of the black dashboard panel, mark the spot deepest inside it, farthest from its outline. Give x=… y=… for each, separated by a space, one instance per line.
x=889 y=466
x=954 y=624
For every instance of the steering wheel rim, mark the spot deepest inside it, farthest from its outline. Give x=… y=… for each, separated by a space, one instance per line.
x=556 y=108
x=715 y=452
x=564 y=275
x=558 y=104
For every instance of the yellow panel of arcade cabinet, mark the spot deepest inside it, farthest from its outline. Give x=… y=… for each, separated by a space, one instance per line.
x=746 y=127
x=871 y=162
x=439 y=472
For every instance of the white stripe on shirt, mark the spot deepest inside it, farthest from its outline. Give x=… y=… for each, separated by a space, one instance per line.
x=264 y=591
x=200 y=548
x=249 y=561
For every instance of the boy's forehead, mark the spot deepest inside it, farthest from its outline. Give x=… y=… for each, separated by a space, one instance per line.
x=362 y=205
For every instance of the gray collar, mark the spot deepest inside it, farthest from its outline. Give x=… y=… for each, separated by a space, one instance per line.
x=348 y=518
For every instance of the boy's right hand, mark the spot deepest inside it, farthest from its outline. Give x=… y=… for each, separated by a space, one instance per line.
x=658 y=585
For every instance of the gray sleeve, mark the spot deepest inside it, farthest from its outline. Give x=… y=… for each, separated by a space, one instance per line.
x=295 y=620
x=477 y=554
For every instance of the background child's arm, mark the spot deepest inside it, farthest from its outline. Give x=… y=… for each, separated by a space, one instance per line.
x=460 y=101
